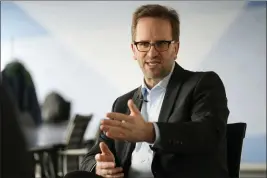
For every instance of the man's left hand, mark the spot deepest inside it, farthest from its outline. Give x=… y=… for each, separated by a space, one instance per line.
x=132 y=128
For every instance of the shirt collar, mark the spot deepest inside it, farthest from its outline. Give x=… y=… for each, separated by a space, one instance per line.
x=162 y=84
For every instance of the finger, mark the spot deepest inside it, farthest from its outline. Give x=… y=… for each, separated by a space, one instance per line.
x=117 y=136
x=119 y=117
x=97 y=157
x=105 y=165
x=134 y=110
x=106 y=128
x=111 y=171
x=104 y=149
x=116 y=123
x=104 y=158
x=114 y=132
x=119 y=175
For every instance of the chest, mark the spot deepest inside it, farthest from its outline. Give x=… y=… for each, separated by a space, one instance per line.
x=150 y=109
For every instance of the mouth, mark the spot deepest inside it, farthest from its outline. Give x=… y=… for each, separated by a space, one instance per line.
x=152 y=64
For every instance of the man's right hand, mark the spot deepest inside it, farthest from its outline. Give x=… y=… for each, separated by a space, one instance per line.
x=105 y=163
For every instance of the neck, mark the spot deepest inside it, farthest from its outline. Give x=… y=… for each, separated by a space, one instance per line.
x=150 y=82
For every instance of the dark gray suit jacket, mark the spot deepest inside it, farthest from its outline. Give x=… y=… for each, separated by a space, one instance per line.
x=192 y=126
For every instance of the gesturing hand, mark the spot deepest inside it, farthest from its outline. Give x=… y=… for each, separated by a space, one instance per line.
x=131 y=127
x=105 y=163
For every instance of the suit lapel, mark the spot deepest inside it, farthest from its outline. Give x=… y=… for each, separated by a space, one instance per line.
x=137 y=98
x=172 y=90
x=129 y=146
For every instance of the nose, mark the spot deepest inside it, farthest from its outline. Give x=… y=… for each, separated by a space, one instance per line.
x=152 y=52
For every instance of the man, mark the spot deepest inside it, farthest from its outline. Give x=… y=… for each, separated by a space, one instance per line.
x=174 y=124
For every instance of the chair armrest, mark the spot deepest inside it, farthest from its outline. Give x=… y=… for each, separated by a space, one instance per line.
x=88 y=143
x=253 y=167
x=74 y=152
x=61 y=146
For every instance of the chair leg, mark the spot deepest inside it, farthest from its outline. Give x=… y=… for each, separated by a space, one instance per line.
x=48 y=166
x=42 y=165
x=64 y=164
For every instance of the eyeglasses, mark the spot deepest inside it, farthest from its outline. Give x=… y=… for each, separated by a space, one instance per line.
x=160 y=46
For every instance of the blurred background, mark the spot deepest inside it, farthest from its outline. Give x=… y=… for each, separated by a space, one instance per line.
x=82 y=51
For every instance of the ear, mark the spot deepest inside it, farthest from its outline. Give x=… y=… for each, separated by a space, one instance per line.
x=176 y=48
x=133 y=50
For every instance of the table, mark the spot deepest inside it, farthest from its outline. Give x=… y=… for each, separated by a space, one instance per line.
x=49 y=137
x=46 y=135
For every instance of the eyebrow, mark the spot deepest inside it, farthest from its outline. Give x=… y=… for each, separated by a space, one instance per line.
x=149 y=41
x=144 y=41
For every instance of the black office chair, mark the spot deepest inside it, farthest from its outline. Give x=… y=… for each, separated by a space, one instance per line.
x=71 y=153
x=235 y=134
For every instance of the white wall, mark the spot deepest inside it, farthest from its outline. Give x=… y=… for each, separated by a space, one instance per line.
x=85 y=52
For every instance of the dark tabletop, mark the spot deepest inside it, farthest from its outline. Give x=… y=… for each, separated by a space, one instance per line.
x=46 y=135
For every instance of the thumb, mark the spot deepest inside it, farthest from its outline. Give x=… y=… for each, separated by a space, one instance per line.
x=134 y=110
x=104 y=149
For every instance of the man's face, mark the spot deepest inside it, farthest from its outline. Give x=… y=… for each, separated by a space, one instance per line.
x=157 y=62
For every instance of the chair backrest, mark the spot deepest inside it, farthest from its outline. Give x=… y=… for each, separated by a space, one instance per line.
x=55 y=108
x=235 y=135
x=76 y=131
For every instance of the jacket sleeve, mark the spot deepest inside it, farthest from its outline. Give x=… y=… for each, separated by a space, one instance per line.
x=89 y=162
x=208 y=123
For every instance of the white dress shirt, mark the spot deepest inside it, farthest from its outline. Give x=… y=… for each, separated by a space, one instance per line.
x=142 y=155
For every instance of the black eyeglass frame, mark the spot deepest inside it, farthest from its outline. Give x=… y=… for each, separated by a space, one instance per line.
x=169 y=42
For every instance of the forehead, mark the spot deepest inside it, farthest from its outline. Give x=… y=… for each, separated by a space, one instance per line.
x=153 y=29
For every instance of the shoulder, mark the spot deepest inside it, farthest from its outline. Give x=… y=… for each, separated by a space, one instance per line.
x=193 y=77
x=127 y=96
x=202 y=77
x=120 y=104
x=205 y=82
x=200 y=82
